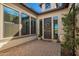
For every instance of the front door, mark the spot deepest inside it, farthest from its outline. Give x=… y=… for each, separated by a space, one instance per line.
x=47 y=28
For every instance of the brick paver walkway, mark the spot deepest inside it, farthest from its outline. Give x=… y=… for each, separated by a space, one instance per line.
x=34 y=48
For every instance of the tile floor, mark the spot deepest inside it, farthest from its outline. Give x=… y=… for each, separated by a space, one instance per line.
x=34 y=48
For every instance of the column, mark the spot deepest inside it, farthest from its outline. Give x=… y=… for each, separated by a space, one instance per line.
x=52 y=27
x=20 y=25
x=37 y=27
x=60 y=28
x=30 y=24
x=42 y=28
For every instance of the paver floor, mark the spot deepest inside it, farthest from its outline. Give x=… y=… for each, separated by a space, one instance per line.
x=34 y=48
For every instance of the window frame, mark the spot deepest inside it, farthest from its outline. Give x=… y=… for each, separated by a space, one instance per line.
x=46 y=6
x=6 y=21
x=11 y=7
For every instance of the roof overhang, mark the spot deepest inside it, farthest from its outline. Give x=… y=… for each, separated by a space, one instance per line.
x=65 y=5
x=52 y=10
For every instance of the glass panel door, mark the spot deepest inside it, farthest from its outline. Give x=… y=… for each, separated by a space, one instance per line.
x=47 y=28
x=40 y=25
x=25 y=24
x=33 y=25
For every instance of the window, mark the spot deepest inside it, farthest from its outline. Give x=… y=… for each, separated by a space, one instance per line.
x=33 y=25
x=47 y=5
x=59 y=5
x=55 y=26
x=11 y=22
x=25 y=24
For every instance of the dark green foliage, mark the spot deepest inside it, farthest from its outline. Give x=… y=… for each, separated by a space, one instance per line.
x=69 y=21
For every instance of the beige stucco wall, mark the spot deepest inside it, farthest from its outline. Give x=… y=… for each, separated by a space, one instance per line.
x=60 y=14
x=43 y=7
x=9 y=41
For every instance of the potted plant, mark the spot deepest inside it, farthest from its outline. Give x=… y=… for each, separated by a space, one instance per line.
x=39 y=37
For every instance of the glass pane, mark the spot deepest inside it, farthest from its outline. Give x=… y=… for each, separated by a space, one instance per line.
x=25 y=24
x=11 y=22
x=33 y=25
x=55 y=26
x=47 y=5
x=40 y=25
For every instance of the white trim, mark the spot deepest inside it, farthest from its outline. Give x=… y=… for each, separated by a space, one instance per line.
x=9 y=22
x=30 y=24
x=52 y=27
x=20 y=26
x=1 y=21
x=37 y=27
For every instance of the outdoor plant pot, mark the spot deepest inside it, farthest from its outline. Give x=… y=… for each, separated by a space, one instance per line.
x=77 y=52
x=66 y=52
x=39 y=38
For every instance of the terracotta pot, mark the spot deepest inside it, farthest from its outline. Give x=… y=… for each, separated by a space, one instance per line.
x=39 y=38
x=66 y=52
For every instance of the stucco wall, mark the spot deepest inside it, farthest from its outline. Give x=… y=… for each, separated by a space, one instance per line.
x=60 y=14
